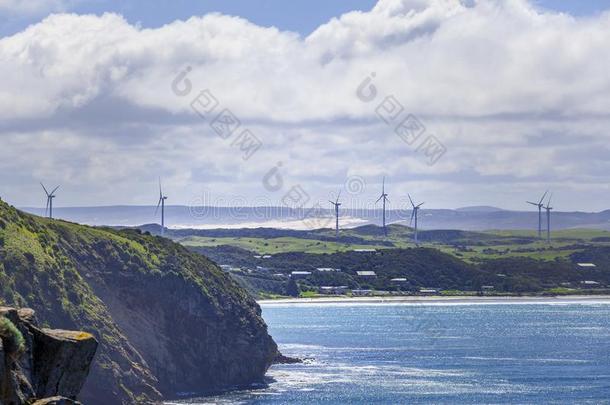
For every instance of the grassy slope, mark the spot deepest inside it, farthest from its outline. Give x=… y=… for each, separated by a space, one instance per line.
x=276 y=245
x=479 y=245
x=55 y=267
x=531 y=264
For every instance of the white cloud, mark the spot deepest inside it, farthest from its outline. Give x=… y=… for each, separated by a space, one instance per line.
x=519 y=96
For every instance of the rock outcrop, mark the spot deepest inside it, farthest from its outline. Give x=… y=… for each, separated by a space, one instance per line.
x=40 y=365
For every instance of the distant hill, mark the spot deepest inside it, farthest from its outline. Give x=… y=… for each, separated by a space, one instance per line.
x=467 y=218
x=480 y=208
x=167 y=320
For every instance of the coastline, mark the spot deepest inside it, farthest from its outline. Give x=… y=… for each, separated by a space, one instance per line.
x=444 y=300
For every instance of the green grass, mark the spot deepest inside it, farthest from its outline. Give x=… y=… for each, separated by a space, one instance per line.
x=479 y=245
x=276 y=245
x=309 y=294
x=561 y=291
x=13 y=340
x=569 y=234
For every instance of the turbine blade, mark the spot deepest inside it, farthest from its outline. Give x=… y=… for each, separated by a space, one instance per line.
x=379 y=199
x=548 y=203
x=45 y=189
x=409 y=195
x=158 y=204
x=386 y=198
x=543 y=195
x=54 y=190
x=533 y=203
x=160 y=191
x=420 y=205
x=338 y=195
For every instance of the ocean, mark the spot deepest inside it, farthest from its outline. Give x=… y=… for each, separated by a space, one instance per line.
x=444 y=353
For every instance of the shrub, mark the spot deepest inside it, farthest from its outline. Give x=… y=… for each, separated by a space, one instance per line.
x=12 y=339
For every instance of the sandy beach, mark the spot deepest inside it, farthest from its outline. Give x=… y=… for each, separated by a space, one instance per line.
x=444 y=300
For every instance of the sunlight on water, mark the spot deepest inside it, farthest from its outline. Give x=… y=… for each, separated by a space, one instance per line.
x=436 y=354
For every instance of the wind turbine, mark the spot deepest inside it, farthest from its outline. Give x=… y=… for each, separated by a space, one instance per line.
x=539 y=204
x=161 y=203
x=414 y=215
x=50 y=196
x=383 y=197
x=337 y=204
x=548 y=209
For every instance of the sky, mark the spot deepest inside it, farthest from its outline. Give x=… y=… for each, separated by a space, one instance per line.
x=459 y=103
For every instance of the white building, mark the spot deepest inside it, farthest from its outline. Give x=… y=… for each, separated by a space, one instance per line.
x=297 y=275
x=366 y=274
x=332 y=290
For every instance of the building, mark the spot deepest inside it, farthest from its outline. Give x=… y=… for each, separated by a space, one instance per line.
x=589 y=283
x=428 y=291
x=332 y=290
x=327 y=269
x=586 y=265
x=366 y=274
x=365 y=250
x=399 y=280
x=487 y=287
x=298 y=275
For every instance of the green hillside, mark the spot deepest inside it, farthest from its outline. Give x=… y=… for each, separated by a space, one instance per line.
x=167 y=320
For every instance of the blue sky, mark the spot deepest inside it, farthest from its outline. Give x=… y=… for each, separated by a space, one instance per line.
x=302 y=16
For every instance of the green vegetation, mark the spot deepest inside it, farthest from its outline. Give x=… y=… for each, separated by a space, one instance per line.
x=68 y=274
x=275 y=245
x=12 y=339
x=468 y=246
x=309 y=294
x=451 y=261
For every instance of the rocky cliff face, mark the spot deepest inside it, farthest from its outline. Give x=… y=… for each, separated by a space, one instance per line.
x=40 y=365
x=167 y=320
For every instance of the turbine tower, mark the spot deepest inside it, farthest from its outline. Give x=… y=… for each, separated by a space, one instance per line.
x=161 y=203
x=337 y=204
x=414 y=215
x=539 y=204
x=383 y=197
x=50 y=196
x=548 y=209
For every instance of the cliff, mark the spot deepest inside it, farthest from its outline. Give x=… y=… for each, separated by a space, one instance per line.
x=40 y=365
x=167 y=320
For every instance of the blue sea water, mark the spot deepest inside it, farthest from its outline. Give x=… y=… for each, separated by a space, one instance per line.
x=440 y=354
